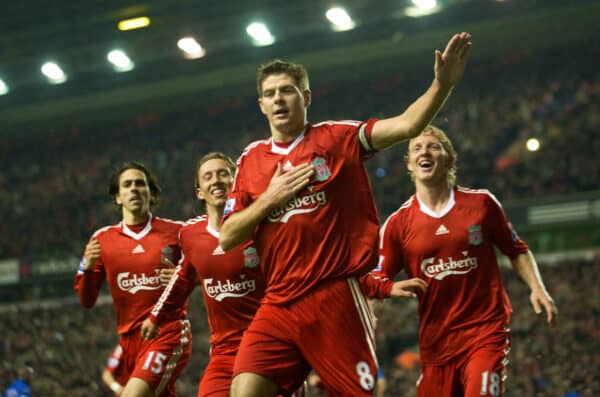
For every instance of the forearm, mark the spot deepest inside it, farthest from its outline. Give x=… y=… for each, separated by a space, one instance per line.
x=240 y=226
x=175 y=294
x=87 y=285
x=375 y=287
x=527 y=268
x=413 y=120
x=108 y=377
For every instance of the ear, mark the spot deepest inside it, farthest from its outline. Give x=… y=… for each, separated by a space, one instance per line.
x=199 y=194
x=307 y=98
x=118 y=200
x=409 y=166
x=261 y=106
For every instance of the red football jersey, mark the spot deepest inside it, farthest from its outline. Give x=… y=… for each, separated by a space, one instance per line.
x=231 y=282
x=330 y=229
x=454 y=253
x=130 y=262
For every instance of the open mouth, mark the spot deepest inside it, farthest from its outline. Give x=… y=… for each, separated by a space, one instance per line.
x=219 y=192
x=425 y=164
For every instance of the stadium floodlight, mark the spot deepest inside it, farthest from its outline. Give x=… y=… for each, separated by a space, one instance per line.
x=120 y=61
x=261 y=36
x=340 y=20
x=422 y=8
x=425 y=4
x=53 y=73
x=133 y=23
x=3 y=88
x=191 y=48
x=532 y=144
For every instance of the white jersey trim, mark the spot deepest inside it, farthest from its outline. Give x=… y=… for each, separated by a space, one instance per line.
x=354 y=123
x=212 y=230
x=383 y=228
x=479 y=191
x=364 y=313
x=428 y=211
x=138 y=236
x=287 y=150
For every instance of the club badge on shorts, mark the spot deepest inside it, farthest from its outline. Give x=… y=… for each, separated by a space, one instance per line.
x=322 y=172
x=475 y=235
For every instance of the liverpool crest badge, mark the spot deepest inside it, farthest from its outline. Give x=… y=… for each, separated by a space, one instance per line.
x=475 y=235
x=322 y=172
x=251 y=259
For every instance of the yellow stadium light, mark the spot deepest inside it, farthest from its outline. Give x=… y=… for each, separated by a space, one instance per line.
x=3 y=88
x=133 y=23
x=532 y=144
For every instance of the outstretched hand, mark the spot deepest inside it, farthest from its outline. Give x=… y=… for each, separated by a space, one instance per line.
x=541 y=299
x=450 y=65
x=408 y=288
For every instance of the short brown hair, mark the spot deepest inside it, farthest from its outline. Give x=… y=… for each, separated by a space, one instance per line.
x=113 y=184
x=446 y=144
x=277 y=66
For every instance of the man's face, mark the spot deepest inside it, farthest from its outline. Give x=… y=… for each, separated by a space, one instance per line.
x=284 y=104
x=428 y=161
x=134 y=192
x=214 y=180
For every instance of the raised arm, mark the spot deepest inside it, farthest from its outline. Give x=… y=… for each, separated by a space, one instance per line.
x=526 y=266
x=448 y=69
x=239 y=226
x=89 y=278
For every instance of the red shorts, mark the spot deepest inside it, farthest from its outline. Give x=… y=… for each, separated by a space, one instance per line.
x=216 y=380
x=328 y=329
x=161 y=360
x=481 y=371
x=217 y=376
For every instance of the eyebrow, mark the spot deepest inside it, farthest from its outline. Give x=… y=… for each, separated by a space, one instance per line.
x=133 y=180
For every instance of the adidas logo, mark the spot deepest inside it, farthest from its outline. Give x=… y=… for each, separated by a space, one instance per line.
x=138 y=249
x=218 y=251
x=442 y=230
x=287 y=166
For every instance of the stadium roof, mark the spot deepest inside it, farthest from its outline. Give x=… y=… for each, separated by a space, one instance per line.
x=78 y=36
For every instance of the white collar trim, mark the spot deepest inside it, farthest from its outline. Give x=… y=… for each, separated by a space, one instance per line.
x=287 y=150
x=210 y=229
x=428 y=211
x=141 y=234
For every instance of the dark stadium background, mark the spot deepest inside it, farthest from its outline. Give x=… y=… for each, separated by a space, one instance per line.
x=533 y=73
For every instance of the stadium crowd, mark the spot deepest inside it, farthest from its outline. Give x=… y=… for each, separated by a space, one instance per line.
x=67 y=346
x=57 y=178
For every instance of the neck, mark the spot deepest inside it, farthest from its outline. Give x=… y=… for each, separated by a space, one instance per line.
x=130 y=218
x=434 y=196
x=214 y=216
x=286 y=136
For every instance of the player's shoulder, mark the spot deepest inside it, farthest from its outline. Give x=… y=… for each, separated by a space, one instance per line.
x=166 y=224
x=400 y=214
x=107 y=231
x=476 y=195
x=335 y=126
x=254 y=148
x=167 y=221
x=193 y=227
x=194 y=223
x=404 y=209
